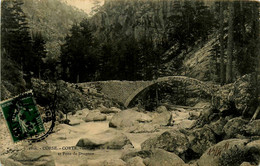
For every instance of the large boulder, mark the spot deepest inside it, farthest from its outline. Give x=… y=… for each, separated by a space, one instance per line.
x=162 y=116
x=128 y=118
x=95 y=116
x=254 y=150
x=143 y=128
x=105 y=140
x=30 y=157
x=207 y=116
x=225 y=153
x=234 y=127
x=153 y=157
x=162 y=157
x=201 y=139
x=253 y=128
x=172 y=141
x=135 y=161
x=127 y=155
x=217 y=127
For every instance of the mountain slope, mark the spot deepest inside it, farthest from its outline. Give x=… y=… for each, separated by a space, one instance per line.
x=53 y=19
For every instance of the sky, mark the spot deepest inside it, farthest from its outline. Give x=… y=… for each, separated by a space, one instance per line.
x=85 y=5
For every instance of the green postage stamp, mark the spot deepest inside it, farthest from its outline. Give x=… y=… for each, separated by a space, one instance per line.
x=22 y=116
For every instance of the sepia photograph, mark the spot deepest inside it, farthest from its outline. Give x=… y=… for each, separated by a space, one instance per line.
x=130 y=83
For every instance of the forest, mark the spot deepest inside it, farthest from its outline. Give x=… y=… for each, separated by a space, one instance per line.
x=133 y=82
x=139 y=41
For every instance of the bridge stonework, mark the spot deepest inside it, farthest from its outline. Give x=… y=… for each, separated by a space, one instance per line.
x=126 y=91
x=118 y=90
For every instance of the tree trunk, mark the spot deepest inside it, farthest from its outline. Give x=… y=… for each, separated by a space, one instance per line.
x=77 y=81
x=230 y=43
x=257 y=55
x=39 y=72
x=221 y=40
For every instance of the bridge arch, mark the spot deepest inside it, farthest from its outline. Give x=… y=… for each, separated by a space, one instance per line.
x=206 y=87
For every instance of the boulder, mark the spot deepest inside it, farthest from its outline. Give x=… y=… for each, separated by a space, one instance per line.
x=246 y=164
x=172 y=141
x=105 y=110
x=135 y=161
x=185 y=124
x=253 y=128
x=88 y=144
x=106 y=140
x=162 y=157
x=126 y=156
x=152 y=157
x=95 y=116
x=128 y=118
x=254 y=150
x=227 y=152
x=217 y=127
x=234 y=127
x=161 y=109
x=8 y=161
x=143 y=128
x=162 y=118
x=74 y=121
x=201 y=139
x=30 y=157
x=205 y=117
x=109 y=162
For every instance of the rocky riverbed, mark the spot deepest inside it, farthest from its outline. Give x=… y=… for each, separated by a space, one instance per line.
x=135 y=137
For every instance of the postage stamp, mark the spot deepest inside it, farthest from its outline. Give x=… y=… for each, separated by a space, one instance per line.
x=22 y=116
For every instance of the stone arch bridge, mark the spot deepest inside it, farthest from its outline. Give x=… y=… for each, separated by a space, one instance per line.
x=126 y=91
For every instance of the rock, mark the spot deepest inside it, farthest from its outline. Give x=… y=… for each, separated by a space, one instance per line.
x=95 y=116
x=31 y=157
x=201 y=139
x=161 y=109
x=135 y=161
x=110 y=162
x=217 y=127
x=194 y=115
x=162 y=157
x=254 y=150
x=152 y=157
x=106 y=140
x=88 y=144
x=82 y=113
x=135 y=153
x=172 y=141
x=207 y=116
x=8 y=161
x=144 y=128
x=246 y=164
x=105 y=110
x=253 y=128
x=163 y=118
x=117 y=143
x=128 y=118
x=227 y=152
x=75 y=122
x=255 y=144
x=185 y=124
x=234 y=127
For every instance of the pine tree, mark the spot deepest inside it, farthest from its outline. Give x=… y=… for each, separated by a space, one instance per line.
x=78 y=58
x=229 y=73
x=40 y=52
x=221 y=41
x=16 y=39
